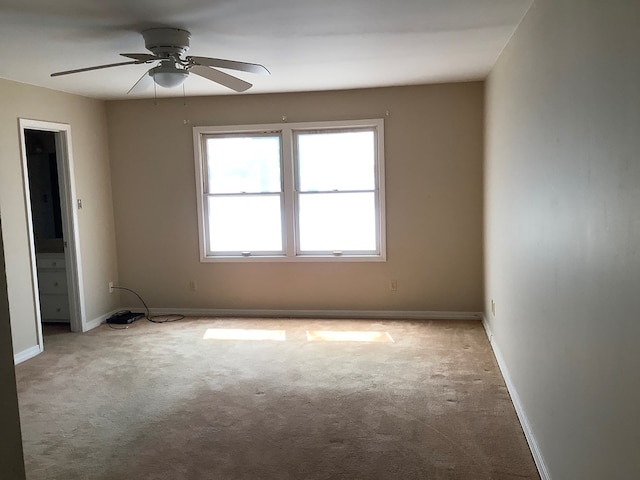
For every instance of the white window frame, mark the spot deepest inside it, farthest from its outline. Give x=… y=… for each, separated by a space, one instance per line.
x=289 y=193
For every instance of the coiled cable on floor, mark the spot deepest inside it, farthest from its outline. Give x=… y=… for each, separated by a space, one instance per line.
x=148 y=316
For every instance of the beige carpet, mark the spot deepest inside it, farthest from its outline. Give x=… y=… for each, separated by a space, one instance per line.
x=162 y=402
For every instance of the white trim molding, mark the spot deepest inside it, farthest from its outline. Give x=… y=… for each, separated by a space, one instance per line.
x=515 y=398
x=27 y=354
x=69 y=214
x=290 y=193
x=320 y=314
x=96 y=322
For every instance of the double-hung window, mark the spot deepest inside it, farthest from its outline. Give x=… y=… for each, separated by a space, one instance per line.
x=304 y=191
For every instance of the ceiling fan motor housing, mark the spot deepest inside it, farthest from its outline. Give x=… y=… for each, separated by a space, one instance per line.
x=166 y=41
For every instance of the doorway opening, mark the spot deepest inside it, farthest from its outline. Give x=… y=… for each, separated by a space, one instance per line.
x=46 y=219
x=50 y=197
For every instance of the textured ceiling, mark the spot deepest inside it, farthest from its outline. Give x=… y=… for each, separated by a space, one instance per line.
x=324 y=45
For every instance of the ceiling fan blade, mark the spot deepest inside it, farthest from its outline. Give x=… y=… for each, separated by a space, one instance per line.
x=99 y=67
x=142 y=84
x=220 y=77
x=230 y=64
x=143 y=57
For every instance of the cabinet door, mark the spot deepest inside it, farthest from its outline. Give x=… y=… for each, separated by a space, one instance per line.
x=50 y=261
x=52 y=281
x=54 y=307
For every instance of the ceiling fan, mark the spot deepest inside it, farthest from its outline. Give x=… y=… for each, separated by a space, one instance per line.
x=168 y=46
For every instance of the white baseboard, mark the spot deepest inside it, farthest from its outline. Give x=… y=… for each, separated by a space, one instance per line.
x=357 y=314
x=27 y=354
x=255 y=313
x=96 y=322
x=37 y=349
x=515 y=398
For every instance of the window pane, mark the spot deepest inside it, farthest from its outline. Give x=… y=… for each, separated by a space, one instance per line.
x=243 y=164
x=337 y=221
x=245 y=223
x=336 y=161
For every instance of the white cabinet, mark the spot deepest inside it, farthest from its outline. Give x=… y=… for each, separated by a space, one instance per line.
x=52 y=284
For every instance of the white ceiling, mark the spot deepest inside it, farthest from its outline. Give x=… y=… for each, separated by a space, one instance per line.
x=321 y=45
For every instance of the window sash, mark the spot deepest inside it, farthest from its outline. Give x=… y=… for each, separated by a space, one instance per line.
x=297 y=133
x=340 y=224
x=205 y=164
x=250 y=233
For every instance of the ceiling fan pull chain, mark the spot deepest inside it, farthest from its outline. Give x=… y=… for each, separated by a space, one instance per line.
x=155 y=94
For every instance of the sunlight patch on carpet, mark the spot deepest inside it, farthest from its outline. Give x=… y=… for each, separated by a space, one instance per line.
x=244 y=334
x=339 y=336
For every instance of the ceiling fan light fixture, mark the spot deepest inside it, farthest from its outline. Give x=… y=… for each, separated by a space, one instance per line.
x=168 y=75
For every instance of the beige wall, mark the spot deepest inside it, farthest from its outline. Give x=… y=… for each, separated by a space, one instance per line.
x=434 y=203
x=92 y=179
x=11 y=457
x=563 y=230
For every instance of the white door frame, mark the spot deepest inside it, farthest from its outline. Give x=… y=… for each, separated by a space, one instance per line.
x=69 y=215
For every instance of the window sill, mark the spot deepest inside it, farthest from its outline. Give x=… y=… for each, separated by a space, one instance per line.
x=296 y=259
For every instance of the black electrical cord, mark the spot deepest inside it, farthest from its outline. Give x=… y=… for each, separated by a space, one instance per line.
x=148 y=316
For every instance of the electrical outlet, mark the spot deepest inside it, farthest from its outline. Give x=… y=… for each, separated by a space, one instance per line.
x=493 y=307
x=110 y=287
x=192 y=285
x=393 y=285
